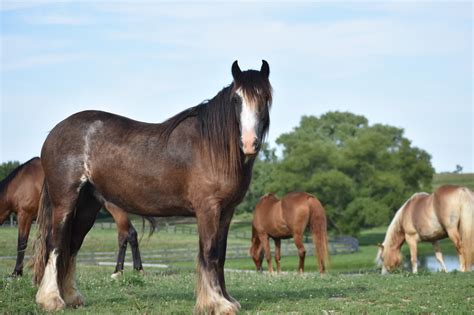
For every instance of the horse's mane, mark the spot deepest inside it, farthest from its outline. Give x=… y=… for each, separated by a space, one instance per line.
x=219 y=124
x=4 y=183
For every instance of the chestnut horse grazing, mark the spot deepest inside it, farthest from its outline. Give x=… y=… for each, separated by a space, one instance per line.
x=285 y=218
x=197 y=163
x=20 y=193
x=448 y=212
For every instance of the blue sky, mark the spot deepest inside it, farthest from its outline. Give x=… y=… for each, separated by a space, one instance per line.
x=406 y=64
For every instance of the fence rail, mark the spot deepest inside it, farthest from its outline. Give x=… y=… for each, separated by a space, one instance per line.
x=337 y=245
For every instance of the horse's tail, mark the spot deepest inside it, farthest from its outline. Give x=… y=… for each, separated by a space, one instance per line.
x=319 y=232
x=467 y=227
x=40 y=245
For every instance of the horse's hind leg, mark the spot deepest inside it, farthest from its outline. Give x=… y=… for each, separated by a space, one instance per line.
x=453 y=234
x=58 y=250
x=86 y=211
x=24 y=226
x=439 y=255
x=298 y=239
x=133 y=240
x=278 y=254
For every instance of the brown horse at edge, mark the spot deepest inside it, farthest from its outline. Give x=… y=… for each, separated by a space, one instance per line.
x=20 y=193
x=286 y=218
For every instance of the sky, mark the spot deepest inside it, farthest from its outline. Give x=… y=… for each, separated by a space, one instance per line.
x=406 y=64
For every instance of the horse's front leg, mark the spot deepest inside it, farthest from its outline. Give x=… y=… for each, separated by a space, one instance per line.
x=439 y=255
x=224 y=225
x=265 y=240
x=24 y=226
x=412 y=244
x=210 y=294
x=278 y=254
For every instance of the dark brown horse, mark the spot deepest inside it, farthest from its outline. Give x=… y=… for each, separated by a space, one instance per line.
x=286 y=218
x=197 y=163
x=20 y=193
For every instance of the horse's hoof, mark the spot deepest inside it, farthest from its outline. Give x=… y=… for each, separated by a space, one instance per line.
x=221 y=307
x=17 y=273
x=116 y=275
x=76 y=301
x=235 y=302
x=54 y=304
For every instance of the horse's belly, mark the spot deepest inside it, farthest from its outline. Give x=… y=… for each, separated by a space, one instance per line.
x=428 y=234
x=280 y=232
x=149 y=201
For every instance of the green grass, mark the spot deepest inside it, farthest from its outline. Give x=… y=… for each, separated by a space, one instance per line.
x=352 y=285
x=168 y=292
x=466 y=180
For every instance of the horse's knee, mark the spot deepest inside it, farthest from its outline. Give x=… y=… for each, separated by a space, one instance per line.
x=302 y=252
x=132 y=236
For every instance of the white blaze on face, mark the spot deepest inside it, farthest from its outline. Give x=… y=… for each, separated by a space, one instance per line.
x=248 y=121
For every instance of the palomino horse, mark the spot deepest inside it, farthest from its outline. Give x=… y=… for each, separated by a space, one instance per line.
x=197 y=163
x=20 y=193
x=448 y=212
x=285 y=218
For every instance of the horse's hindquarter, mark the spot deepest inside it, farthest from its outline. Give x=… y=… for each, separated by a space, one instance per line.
x=448 y=204
x=296 y=211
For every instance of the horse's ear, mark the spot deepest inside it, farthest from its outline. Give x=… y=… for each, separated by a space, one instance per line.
x=236 y=72
x=265 y=69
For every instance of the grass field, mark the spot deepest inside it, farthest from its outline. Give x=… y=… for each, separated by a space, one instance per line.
x=352 y=285
x=466 y=180
x=169 y=292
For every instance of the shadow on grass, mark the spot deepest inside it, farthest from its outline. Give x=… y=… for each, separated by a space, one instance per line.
x=253 y=301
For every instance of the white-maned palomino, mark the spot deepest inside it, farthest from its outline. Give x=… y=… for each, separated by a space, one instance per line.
x=448 y=212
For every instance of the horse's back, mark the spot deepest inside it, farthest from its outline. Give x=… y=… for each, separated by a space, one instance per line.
x=431 y=216
x=120 y=157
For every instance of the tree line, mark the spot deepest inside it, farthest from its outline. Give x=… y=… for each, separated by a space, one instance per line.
x=362 y=173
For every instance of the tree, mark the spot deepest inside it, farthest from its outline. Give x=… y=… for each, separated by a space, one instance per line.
x=261 y=178
x=361 y=173
x=7 y=167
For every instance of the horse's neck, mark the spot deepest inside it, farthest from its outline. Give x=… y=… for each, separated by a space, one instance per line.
x=4 y=204
x=395 y=235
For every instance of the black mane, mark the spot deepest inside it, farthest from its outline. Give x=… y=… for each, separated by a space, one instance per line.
x=4 y=183
x=219 y=122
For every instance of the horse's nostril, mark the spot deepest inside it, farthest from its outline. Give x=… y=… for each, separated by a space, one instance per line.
x=255 y=143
